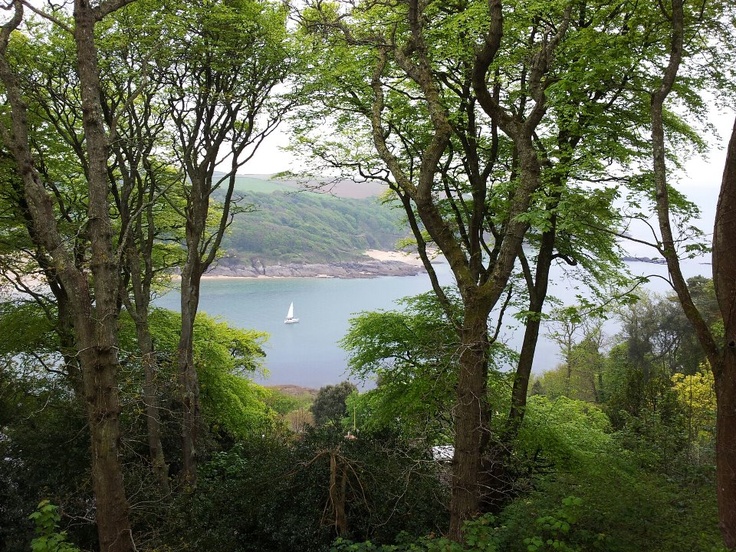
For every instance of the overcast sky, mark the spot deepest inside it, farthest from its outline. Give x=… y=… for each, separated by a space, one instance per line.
x=702 y=181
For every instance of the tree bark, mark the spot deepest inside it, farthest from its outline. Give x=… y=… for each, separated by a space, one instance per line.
x=726 y=449
x=338 y=493
x=98 y=315
x=188 y=378
x=139 y=313
x=140 y=274
x=472 y=419
x=724 y=278
x=537 y=295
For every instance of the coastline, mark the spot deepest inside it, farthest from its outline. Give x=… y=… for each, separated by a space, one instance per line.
x=377 y=263
x=400 y=256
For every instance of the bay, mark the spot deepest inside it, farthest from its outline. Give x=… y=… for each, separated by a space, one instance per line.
x=308 y=353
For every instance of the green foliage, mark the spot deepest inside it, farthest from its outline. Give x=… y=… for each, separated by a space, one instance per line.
x=556 y=530
x=27 y=330
x=268 y=495
x=409 y=353
x=567 y=433
x=265 y=494
x=330 y=404
x=284 y=402
x=628 y=503
x=226 y=358
x=412 y=356
x=48 y=537
x=625 y=509
x=479 y=535
x=648 y=383
x=39 y=417
x=696 y=394
x=580 y=375
x=310 y=227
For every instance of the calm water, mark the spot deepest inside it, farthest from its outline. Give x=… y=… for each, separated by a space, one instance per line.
x=307 y=353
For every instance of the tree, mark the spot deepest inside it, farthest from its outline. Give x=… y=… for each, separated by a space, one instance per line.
x=492 y=126
x=720 y=355
x=723 y=364
x=425 y=128
x=410 y=359
x=329 y=406
x=94 y=310
x=410 y=354
x=40 y=415
x=220 y=69
x=143 y=186
x=696 y=393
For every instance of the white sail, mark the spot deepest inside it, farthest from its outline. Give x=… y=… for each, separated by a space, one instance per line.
x=290 y=315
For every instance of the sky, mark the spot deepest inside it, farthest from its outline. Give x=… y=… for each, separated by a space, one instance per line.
x=702 y=181
x=269 y=159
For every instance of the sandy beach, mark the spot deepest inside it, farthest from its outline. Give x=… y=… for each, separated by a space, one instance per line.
x=400 y=256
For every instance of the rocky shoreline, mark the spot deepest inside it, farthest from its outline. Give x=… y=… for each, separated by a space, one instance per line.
x=651 y=260
x=371 y=268
x=385 y=264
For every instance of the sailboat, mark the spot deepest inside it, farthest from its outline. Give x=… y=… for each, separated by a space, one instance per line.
x=290 y=315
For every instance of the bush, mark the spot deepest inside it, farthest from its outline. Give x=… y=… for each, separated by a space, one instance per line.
x=48 y=537
x=271 y=495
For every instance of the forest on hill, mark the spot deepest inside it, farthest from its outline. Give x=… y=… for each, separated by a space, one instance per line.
x=288 y=226
x=512 y=138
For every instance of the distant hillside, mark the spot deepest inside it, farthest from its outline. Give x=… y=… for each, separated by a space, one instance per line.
x=306 y=227
x=261 y=183
x=345 y=188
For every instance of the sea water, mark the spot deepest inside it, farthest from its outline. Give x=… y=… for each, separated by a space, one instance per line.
x=308 y=353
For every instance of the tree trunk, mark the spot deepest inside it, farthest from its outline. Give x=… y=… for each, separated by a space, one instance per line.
x=140 y=285
x=153 y=416
x=726 y=449
x=103 y=413
x=64 y=323
x=472 y=418
x=188 y=378
x=722 y=362
x=97 y=325
x=153 y=421
x=338 y=489
x=724 y=278
x=537 y=296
